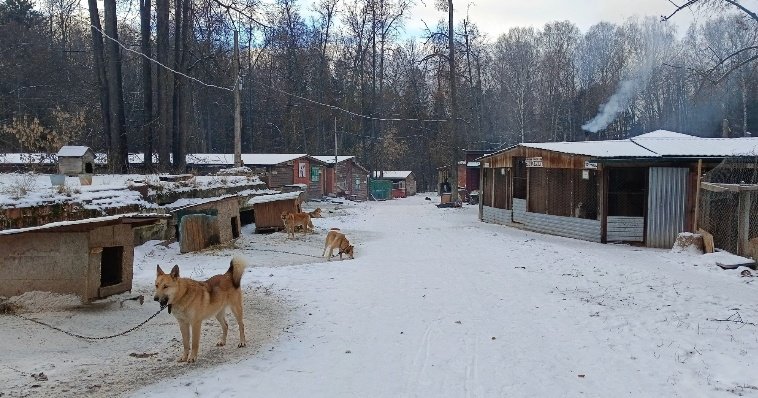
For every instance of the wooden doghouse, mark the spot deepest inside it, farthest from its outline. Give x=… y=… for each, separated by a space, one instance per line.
x=90 y=258
x=268 y=209
x=76 y=160
x=221 y=223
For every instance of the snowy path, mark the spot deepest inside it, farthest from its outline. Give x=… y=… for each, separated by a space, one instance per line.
x=437 y=304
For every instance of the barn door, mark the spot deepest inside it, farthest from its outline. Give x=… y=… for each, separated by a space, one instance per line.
x=667 y=197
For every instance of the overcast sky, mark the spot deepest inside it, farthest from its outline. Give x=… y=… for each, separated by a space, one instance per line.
x=495 y=17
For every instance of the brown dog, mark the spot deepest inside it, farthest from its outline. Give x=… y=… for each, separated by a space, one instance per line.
x=294 y=220
x=315 y=213
x=337 y=240
x=192 y=301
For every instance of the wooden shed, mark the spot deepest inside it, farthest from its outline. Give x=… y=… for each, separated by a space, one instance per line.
x=640 y=190
x=76 y=160
x=220 y=225
x=275 y=169
x=91 y=258
x=403 y=182
x=268 y=209
x=345 y=177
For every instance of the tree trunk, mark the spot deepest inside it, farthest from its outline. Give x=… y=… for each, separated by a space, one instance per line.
x=102 y=79
x=181 y=89
x=147 y=83
x=118 y=156
x=162 y=8
x=453 y=103
x=237 y=118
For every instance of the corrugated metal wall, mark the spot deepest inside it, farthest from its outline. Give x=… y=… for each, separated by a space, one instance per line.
x=496 y=216
x=625 y=229
x=571 y=227
x=519 y=210
x=667 y=197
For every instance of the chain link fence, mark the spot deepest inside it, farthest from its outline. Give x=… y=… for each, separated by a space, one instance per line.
x=728 y=205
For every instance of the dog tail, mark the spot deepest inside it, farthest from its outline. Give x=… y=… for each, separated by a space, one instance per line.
x=236 y=269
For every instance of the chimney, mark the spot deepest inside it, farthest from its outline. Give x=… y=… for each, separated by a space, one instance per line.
x=725 y=130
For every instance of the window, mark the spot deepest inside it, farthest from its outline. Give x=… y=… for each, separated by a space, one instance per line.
x=301 y=170
x=315 y=171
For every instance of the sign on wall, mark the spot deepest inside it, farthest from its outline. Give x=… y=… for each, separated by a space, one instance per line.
x=533 y=162
x=302 y=170
x=315 y=173
x=590 y=165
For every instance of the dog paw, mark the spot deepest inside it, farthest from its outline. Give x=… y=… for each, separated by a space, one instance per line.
x=242 y=344
x=220 y=343
x=191 y=359
x=182 y=358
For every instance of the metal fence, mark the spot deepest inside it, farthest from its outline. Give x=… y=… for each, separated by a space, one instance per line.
x=728 y=205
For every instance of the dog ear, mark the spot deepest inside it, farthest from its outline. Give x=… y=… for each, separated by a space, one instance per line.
x=175 y=272
x=160 y=271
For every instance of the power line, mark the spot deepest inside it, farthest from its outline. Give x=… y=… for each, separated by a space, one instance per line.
x=159 y=63
x=337 y=108
x=333 y=107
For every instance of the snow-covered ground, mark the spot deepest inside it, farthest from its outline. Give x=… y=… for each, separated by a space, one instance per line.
x=436 y=304
x=106 y=190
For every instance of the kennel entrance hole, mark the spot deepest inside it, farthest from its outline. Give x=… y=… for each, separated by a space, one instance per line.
x=235 y=228
x=111 y=261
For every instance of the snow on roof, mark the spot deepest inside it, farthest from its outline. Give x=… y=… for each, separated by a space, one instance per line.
x=263 y=159
x=73 y=151
x=273 y=198
x=667 y=143
x=598 y=149
x=330 y=159
x=191 y=202
x=392 y=174
x=62 y=223
x=656 y=144
x=472 y=164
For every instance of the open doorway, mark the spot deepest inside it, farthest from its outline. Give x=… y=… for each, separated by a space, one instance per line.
x=111 y=261
x=235 y=228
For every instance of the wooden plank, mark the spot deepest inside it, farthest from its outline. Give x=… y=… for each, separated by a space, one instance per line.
x=707 y=240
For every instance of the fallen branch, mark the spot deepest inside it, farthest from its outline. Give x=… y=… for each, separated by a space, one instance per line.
x=734 y=318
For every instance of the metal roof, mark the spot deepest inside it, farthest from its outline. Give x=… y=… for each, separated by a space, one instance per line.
x=392 y=175
x=656 y=144
x=73 y=151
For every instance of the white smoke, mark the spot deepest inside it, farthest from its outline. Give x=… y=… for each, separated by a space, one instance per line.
x=627 y=90
x=620 y=100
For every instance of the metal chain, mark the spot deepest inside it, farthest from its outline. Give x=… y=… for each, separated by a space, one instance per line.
x=282 y=251
x=89 y=337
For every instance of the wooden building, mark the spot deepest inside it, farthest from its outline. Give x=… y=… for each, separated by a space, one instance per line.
x=76 y=160
x=90 y=258
x=268 y=209
x=403 y=182
x=640 y=190
x=222 y=223
x=345 y=177
x=276 y=170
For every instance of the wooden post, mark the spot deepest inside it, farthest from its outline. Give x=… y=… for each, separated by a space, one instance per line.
x=697 y=193
x=237 y=110
x=743 y=223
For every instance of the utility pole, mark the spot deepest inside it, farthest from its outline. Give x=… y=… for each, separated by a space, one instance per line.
x=335 y=142
x=237 y=111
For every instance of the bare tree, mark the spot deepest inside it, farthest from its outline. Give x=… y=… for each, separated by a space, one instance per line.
x=147 y=82
x=118 y=156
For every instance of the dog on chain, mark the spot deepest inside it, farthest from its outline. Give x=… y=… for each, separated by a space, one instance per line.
x=192 y=301
x=293 y=220
x=337 y=240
